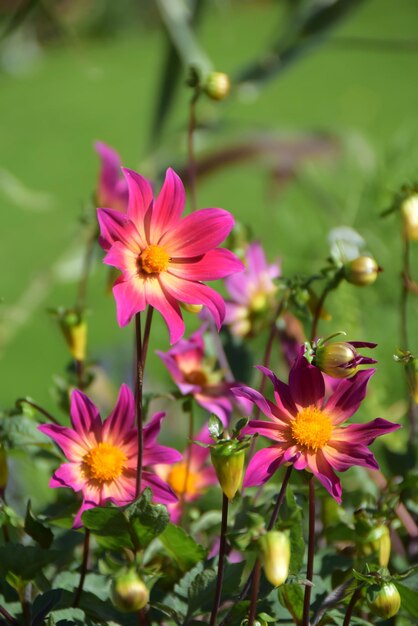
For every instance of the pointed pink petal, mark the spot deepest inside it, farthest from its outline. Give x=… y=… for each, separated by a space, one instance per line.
x=265 y=406
x=167 y=305
x=122 y=418
x=161 y=454
x=115 y=226
x=194 y=293
x=342 y=456
x=120 y=491
x=237 y=286
x=85 y=417
x=123 y=258
x=213 y=265
x=140 y=198
x=161 y=492
x=282 y=394
x=68 y=440
x=130 y=299
x=364 y=433
x=87 y=504
x=271 y=430
x=325 y=474
x=168 y=206
x=222 y=406
x=198 y=233
x=68 y=475
x=306 y=383
x=348 y=396
x=152 y=429
x=263 y=465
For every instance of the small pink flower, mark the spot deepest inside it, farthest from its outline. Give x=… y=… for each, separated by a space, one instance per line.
x=102 y=456
x=112 y=190
x=252 y=291
x=163 y=258
x=194 y=373
x=307 y=431
x=189 y=478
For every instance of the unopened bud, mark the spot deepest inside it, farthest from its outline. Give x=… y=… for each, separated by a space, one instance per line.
x=192 y=308
x=74 y=329
x=4 y=470
x=275 y=556
x=337 y=359
x=409 y=210
x=129 y=592
x=378 y=542
x=384 y=600
x=361 y=271
x=228 y=459
x=217 y=85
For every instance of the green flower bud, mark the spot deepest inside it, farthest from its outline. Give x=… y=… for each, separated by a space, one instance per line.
x=275 y=556
x=409 y=210
x=337 y=359
x=74 y=329
x=228 y=459
x=361 y=271
x=380 y=543
x=129 y=592
x=384 y=599
x=217 y=85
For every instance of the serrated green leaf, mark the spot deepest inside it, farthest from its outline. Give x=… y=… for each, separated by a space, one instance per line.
x=146 y=520
x=291 y=597
x=35 y=529
x=109 y=526
x=182 y=547
x=409 y=598
x=200 y=590
x=169 y=611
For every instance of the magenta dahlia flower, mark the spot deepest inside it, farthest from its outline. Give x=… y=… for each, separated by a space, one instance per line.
x=102 y=456
x=112 y=190
x=163 y=258
x=307 y=430
x=252 y=291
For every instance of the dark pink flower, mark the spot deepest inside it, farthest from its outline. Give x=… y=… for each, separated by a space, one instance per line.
x=112 y=190
x=163 y=258
x=252 y=291
x=307 y=430
x=102 y=456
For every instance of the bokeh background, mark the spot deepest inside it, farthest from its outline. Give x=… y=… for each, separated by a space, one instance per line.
x=333 y=120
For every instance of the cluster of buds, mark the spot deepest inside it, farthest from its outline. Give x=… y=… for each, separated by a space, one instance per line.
x=338 y=359
x=228 y=455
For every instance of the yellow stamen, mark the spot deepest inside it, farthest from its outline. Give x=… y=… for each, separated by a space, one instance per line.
x=153 y=260
x=104 y=463
x=196 y=377
x=311 y=428
x=177 y=480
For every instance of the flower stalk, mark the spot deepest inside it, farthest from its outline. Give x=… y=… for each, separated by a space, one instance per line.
x=311 y=553
x=221 y=561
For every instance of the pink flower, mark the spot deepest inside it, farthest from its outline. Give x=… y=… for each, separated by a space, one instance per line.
x=307 y=431
x=163 y=258
x=189 y=478
x=252 y=292
x=194 y=373
x=102 y=456
x=112 y=190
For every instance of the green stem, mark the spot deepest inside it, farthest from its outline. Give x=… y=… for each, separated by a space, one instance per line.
x=190 y=149
x=353 y=601
x=188 y=452
x=318 y=310
x=85 y=273
x=38 y=408
x=404 y=334
x=221 y=561
x=311 y=553
x=255 y=586
x=9 y=618
x=83 y=570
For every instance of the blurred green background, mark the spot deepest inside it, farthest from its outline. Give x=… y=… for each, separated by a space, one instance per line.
x=72 y=73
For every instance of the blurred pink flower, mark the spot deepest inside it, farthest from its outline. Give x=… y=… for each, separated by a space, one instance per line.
x=189 y=478
x=163 y=258
x=252 y=291
x=194 y=373
x=112 y=190
x=306 y=430
x=102 y=456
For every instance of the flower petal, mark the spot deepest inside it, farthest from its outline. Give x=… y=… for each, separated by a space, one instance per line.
x=161 y=492
x=347 y=396
x=68 y=440
x=168 y=206
x=198 y=233
x=282 y=394
x=271 y=430
x=140 y=198
x=115 y=226
x=68 y=475
x=364 y=433
x=323 y=471
x=122 y=419
x=130 y=298
x=306 y=383
x=263 y=465
x=167 y=305
x=85 y=417
x=214 y=264
x=123 y=258
x=87 y=504
x=341 y=456
x=265 y=406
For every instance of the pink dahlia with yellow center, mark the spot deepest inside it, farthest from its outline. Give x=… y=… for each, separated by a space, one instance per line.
x=164 y=259
x=102 y=456
x=307 y=430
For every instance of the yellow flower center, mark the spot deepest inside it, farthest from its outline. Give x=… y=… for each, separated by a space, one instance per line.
x=196 y=377
x=104 y=463
x=181 y=481
x=153 y=260
x=311 y=428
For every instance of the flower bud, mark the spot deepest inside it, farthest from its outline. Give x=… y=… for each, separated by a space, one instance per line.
x=217 y=85
x=380 y=542
x=275 y=556
x=228 y=460
x=129 y=592
x=384 y=599
x=191 y=308
x=337 y=359
x=74 y=329
x=361 y=271
x=409 y=210
x=4 y=470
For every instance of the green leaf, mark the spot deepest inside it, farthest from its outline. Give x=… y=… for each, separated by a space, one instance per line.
x=146 y=520
x=33 y=527
x=110 y=526
x=292 y=520
x=200 y=590
x=409 y=598
x=291 y=597
x=215 y=426
x=169 y=611
x=182 y=547
x=25 y=561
